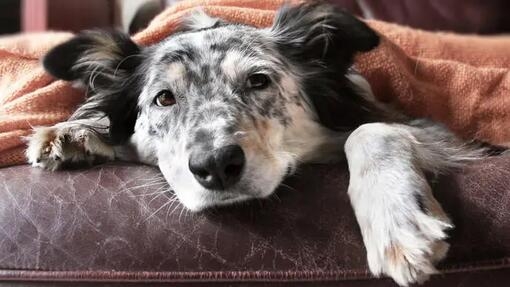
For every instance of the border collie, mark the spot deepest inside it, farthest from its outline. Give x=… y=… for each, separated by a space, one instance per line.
x=227 y=111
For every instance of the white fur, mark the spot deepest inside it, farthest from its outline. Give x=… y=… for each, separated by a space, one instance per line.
x=402 y=241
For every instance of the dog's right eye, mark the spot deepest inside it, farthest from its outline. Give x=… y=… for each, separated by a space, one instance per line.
x=258 y=81
x=164 y=98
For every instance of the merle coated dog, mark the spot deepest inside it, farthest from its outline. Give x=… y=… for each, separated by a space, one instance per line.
x=227 y=111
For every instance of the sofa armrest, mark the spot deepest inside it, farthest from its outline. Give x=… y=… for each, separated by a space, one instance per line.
x=111 y=223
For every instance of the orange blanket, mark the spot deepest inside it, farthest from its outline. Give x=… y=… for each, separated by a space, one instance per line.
x=462 y=81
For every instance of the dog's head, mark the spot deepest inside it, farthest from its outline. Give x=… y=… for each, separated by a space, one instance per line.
x=226 y=110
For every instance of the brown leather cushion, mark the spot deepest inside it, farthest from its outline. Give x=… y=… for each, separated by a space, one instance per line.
x=85 y=224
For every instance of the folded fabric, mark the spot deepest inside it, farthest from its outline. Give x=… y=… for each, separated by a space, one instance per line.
x=461 y=81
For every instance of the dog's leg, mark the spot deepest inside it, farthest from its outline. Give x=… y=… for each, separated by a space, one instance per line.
x=402 y=225
x=71 y=142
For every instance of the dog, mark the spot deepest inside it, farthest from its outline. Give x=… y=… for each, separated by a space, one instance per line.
x=227 y=111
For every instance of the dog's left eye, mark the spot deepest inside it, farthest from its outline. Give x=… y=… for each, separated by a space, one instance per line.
x=164 y=98
x=258 y=81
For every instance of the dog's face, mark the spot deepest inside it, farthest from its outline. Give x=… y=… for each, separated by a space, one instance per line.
x=228 y=110
x=219 y=106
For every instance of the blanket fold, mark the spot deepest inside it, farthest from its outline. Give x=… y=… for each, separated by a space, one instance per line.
x=461 y=81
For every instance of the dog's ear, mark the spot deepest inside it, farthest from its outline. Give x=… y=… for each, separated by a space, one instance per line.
x=322 y=41
x=106 y=62
x=318 y=31
x=90 y=51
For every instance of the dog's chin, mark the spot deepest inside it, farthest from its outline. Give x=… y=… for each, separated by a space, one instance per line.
x=207 y=199
x=203 y=199
x=199 y=199
x=225 y=201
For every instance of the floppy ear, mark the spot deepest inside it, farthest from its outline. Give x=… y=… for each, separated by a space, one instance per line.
x=107 y=63
x=317 y=31
x=323 y=41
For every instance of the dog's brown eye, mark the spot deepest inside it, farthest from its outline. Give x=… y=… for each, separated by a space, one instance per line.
x=164 y=98
x=258 y=81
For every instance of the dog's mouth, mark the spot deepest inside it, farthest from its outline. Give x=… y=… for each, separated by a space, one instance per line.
x=212 y=201
x=233 y=198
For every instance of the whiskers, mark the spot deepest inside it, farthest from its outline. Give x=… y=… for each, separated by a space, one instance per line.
x=155 y=186
x=167 y=204
x=286 y=186
x=156 y=191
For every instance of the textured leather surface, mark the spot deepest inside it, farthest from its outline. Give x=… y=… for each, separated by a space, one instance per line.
x=87 y=223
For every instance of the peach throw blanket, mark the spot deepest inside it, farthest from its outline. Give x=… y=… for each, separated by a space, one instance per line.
x=462 y=81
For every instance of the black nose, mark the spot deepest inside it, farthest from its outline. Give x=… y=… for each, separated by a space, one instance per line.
x=218 y=169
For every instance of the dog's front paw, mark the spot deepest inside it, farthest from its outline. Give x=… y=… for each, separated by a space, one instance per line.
x=45 y=148
x=408 y=243
x=51 y=147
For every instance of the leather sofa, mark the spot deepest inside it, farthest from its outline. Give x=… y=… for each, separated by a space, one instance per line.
x=114 y=224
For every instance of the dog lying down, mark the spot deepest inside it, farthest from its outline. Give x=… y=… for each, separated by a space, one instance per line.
x=227 y=111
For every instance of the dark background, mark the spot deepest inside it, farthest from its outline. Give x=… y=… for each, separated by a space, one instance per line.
x=10 y=15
